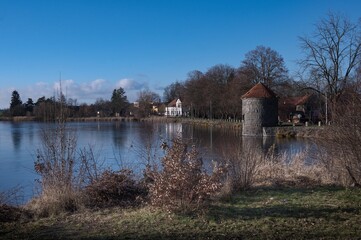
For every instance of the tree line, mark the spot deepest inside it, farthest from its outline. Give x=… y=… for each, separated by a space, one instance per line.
x=330 y=70
x=52 y=108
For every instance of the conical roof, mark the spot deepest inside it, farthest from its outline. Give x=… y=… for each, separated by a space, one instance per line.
x=259 y=91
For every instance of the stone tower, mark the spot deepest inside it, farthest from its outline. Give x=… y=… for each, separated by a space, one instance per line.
x=259 y=109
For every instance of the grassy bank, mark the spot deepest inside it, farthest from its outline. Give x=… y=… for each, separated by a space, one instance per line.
x=217 y=123
x=261 y=213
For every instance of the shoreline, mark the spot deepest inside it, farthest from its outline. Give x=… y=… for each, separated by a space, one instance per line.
x=282 y=131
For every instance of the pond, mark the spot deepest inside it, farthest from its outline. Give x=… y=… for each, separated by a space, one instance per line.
x=122 y=145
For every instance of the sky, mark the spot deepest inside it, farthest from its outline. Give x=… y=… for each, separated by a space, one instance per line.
x=95 y=46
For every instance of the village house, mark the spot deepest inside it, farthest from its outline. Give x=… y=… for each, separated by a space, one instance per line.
x=298 y=109
x=174 y=108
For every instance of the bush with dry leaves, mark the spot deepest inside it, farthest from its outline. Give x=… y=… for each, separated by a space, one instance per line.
x=182 y=184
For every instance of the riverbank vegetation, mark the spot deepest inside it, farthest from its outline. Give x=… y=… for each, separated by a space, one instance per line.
x=246 y=194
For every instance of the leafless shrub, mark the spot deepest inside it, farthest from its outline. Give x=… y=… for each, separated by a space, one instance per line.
x=56 y=164
x=343 y=142
x=243 y=163
x=115 y=188
x=91 y=166
x=147 y=149
x=327 y=157
x=182 y=184
x=72 y=178
x=56 y=158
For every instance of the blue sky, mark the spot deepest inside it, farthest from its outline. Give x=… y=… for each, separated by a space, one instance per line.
x=95 y=46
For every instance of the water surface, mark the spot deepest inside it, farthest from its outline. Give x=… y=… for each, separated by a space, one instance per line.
x=120 y=144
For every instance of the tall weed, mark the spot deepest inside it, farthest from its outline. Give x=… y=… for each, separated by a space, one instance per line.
x=56 y=163
x=249 y=167
x=243 y=163
x=279 y=170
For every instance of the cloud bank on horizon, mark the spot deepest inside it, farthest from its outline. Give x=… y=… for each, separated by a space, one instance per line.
x=84 y=92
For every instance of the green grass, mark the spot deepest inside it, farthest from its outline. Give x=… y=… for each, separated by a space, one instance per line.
x=264 y=213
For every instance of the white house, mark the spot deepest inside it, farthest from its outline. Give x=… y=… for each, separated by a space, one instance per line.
x=174 y=108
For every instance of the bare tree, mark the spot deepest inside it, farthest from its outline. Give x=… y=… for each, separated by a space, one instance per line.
x=193 y=96
x=231 y=100
x=206 y=94
x=173 y=91
x=344 y=145
x=145 y=99
x=332 y=53
x=265 y=65
x=220 y=73
x=218 y=78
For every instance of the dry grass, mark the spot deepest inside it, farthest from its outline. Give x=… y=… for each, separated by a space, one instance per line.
x=260 y=213
x=249 y=168
x=9 y=201
x=54 y=201
x=279 y=171
x=242 y=167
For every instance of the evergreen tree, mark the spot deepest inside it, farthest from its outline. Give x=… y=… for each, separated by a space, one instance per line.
x=15 y=99
x=16 y=105
x=119 y=101
x=29 y=105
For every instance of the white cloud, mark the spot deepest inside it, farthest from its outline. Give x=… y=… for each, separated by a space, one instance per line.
x=95 y=85
x=131 y=87
x=63 y=85
x=130 y=84
x=85 y=92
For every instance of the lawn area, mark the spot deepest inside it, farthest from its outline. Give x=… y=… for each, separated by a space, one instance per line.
x=262 y=213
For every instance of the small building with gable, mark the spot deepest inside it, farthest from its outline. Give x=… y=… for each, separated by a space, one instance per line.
x=174 y=108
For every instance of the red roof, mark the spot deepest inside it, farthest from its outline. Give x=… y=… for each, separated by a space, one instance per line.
x=259 y=91
x=296 y=100
x=173 y=103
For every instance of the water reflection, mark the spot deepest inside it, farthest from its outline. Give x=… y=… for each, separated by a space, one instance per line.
x=118 y=134
x=135 y=143
x=261 y=145
x=31 y=133
x=17 y=135
x=151 y=137
x=173 y=129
